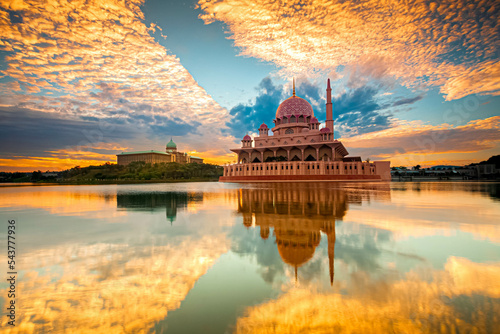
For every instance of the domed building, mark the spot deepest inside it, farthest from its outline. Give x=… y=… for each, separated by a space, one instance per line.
x=153 y=157
x=298 y=150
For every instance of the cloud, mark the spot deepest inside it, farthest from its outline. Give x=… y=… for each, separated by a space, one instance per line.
x=421 y=140
x=409 y=100
x=97 y=60
x=357 y=111
x=248 y=117
x=418 y=43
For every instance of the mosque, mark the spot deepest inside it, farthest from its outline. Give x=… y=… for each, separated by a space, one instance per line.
x=153 y=157
x=298 y=150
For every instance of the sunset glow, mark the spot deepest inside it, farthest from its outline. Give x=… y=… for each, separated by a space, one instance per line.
x=81 y=81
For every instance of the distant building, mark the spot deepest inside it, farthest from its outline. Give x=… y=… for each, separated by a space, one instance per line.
x=153 y=157
x=487 y=169
x=444 y=167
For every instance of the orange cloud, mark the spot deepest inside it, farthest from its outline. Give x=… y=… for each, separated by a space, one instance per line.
x=452 y=45
x=419 y=143
x=97 y=57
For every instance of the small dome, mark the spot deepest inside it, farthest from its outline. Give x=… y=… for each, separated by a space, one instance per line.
x=314 y=120
x=325 y=130
x=263 y=126
x=247 y=137
x=171 y=144
x=296 y=106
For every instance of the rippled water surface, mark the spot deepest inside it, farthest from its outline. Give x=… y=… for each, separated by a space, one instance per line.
x=261 y=258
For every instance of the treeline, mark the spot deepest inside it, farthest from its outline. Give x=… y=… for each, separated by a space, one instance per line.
x=36 y=176
x=143 y=171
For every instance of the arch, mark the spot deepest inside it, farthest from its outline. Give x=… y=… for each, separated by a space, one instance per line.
x=301 y=119
x=289 y=131
x=244 y=156
x=310 y=154
x=255 y=156
x=325 y=151
x=281 y=153
x=285 y=120
x=293 y=119
x=295 y=154
x=268 y=154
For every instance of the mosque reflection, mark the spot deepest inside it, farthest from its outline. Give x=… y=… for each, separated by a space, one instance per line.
x=299 y=214
x=171 y=202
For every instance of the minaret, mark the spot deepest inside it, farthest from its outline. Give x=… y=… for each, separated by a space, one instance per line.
x=329 y=108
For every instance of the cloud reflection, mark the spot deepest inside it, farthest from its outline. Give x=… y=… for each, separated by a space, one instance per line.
x=449 y=300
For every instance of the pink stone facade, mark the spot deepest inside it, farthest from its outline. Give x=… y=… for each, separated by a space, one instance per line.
x=299 y=151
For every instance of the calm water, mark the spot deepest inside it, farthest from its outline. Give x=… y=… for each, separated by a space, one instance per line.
x=224 y=258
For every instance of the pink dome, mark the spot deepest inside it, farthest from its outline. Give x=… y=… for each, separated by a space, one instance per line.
x=314 y=120
x=263 y=126
x=294 y=106
x=325 y=130
x=247 y=137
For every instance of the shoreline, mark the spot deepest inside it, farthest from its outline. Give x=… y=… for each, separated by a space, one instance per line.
x=99 y=182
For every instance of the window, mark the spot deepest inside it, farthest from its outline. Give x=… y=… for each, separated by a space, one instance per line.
x=289 y=131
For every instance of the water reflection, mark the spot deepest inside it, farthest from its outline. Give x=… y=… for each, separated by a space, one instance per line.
x=406 y=258
x=172 y=202
x=299 y=214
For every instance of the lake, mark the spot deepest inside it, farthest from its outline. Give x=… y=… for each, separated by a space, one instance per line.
x=254 y=258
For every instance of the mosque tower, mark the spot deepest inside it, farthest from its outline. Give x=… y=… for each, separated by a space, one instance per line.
x=329 y=108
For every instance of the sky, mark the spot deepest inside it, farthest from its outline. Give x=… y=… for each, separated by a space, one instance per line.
x=414 y=82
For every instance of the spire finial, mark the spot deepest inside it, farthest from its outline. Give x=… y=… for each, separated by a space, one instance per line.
x=328 y=86
x=294 y=86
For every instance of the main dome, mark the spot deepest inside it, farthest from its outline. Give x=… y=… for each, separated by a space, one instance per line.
x=294 y=106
